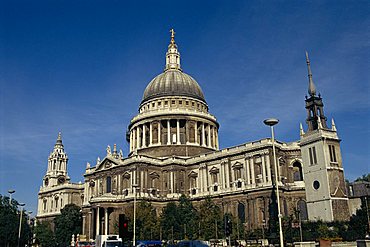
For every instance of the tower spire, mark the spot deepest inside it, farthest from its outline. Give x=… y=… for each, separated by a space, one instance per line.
x=172 y=55
x=311 y=85
x=59 y=142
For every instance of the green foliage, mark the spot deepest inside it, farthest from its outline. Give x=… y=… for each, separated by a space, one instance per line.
x=179 y=221
x=211 y=220
x=365 y=177
x=170 y=223
x=9 y=218
x=67 y=223
x=146 y=222
x=44 y=235
x=188 y=216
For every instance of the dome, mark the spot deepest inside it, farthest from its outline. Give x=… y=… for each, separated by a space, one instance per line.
x=173 y=82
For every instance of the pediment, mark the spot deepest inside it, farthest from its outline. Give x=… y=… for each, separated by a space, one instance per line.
x=214 y=170
x=153 y=175
x=193 y=174
x=106 y=163
x=126 y=175
x=237 y=165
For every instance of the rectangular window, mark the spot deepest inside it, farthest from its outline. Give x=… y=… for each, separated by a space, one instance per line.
x=311 y=160
x=180 y=102
x=173 y=102
x=333 y=157
x=314 y=155
x=159 y=103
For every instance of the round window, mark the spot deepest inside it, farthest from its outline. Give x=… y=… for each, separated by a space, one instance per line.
x=316 y=185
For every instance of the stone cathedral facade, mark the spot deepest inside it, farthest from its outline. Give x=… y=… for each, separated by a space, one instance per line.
x=174 y=150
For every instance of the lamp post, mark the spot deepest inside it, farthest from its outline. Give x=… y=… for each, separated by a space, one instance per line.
x=20 y=222
x=271 y=122
x=134 y=235
x=10 y=195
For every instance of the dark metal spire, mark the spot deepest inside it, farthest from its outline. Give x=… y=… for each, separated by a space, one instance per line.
x=311 y=85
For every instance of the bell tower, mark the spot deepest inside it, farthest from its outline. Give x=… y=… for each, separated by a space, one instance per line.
x=326 y=194
x=56 y=173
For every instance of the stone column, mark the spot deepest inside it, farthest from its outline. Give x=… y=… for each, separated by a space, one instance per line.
x=133 y=139
x=90 y=226
x=97 y=221
x=209 y=136
x=187 y=137
x=83 y=224
x=143 y=143
x=159 y=132
x=200 y=180
x=137 y=137
x=168 y=132
x=216 y=139
x=222 y=174
x=178 y=132
x=106 y=221
x=213 y=137
x=252 y=170
x=150 y=134
x=263 y=169
x=119 y=189
x=268 y=167
x=203 y=136
x=248 y=171
x=227 y=174
x=196 y=132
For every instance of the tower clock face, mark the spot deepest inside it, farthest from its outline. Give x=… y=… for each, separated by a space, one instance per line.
x=61 y=180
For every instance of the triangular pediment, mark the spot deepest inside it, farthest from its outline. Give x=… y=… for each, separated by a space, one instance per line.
x=237 y=165
x=193 y=174
x=106 y=163
x=153 y=175
x=214 y=170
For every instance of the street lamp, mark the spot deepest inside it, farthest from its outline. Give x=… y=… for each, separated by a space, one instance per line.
x=134 y=237
x=271 y=122
x=20 y=222
x=10 y=195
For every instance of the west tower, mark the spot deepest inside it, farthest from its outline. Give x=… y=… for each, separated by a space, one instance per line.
x=323 y=170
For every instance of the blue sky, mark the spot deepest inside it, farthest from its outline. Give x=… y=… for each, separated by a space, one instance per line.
x=81 y=67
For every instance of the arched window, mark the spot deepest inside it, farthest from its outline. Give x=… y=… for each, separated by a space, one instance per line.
x=297 y=171
x=109 y=185
x=302 y=209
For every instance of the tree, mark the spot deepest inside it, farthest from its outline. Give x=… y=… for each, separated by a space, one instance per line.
x=67 y=223
x=170 y=223
x=365 y=177
x=44 y=235
x=147 y=221
x=188 y=216
x=10 y=214
x=210 y=220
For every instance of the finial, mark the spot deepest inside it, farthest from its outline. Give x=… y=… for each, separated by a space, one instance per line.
x=333 y=128
x=319 y=122
x=59 y=139
x=172 y=36
x=109 y=150
x=88 y=165
x=120 y=154
x=98 y=161
x=311 y=85
x=114 y=149
x=301 y=131
x=172 y=55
